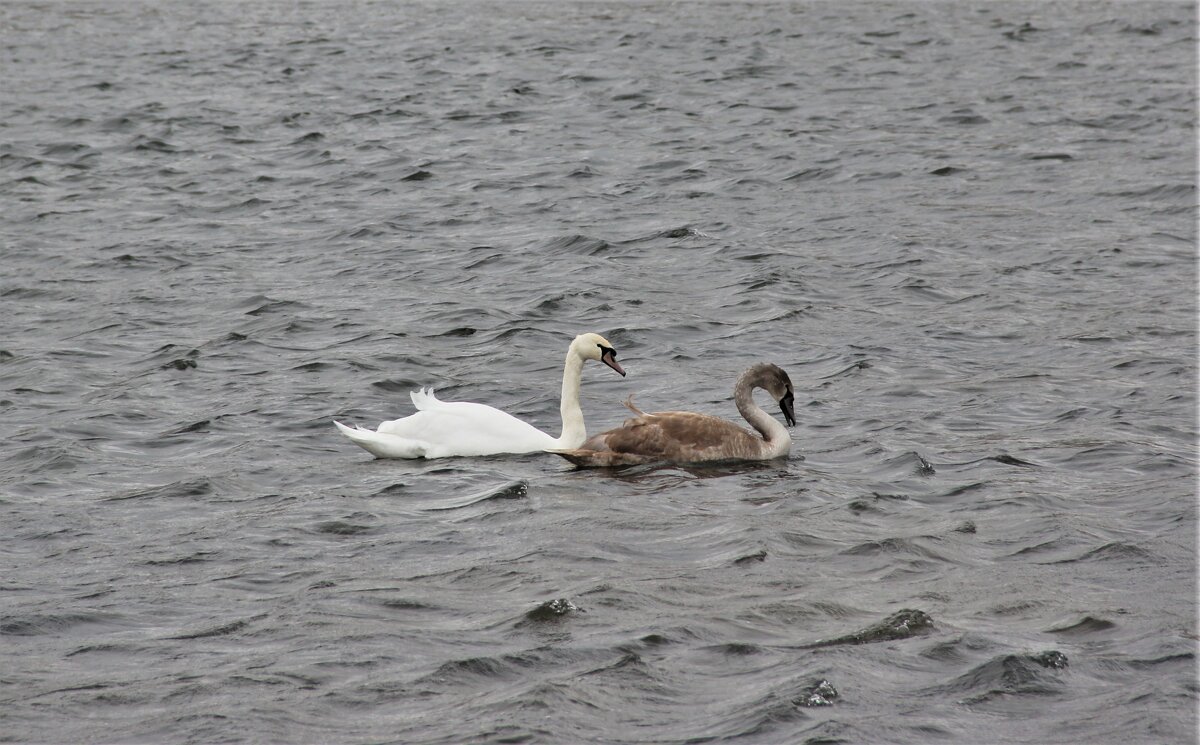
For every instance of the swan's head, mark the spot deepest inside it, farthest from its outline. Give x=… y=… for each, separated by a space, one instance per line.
x=596 y=347
x=776 y=382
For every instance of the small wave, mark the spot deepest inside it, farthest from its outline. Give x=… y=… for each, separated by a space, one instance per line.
x=59 y=149
x=253 y=205
x=1007 y=675
x=683 y=231
x=580 y=245
x=142 y=143
x=749 y=559
x=1086 y=626
x=345 y=527
x=900 y=625
x=51 y=624
x=185 y=489
x=958 y=491
x=892 y=547
x=911 y=463
x=552 y=610
x=198 y=557
x=821 y=693
x=518 y=489
x=407 y=604
x=1123 y=122
x=392 y=490
x=1117 y=551
x=464 y=671
x=965 y=119
x=44 y=459
x=1158 y=192
x=262 y=305
x=225 y=629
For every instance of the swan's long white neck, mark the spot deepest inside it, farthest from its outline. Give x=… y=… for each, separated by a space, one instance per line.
x=573 y=430
x=777 y=441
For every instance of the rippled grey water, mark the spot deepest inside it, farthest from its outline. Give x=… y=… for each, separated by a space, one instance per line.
x=967 y=230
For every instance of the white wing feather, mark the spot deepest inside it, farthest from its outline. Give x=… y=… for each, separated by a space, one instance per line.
x=442 y=429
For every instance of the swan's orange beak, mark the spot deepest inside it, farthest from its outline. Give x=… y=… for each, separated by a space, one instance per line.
x=609 y=357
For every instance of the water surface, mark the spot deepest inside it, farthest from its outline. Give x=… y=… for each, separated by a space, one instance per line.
x=967 y=230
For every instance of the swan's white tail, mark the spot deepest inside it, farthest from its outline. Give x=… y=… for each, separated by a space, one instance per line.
x=424 y=399
x=382 y=445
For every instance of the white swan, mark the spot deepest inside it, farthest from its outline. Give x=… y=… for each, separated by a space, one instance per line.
x=442 y=429
x=686 y=437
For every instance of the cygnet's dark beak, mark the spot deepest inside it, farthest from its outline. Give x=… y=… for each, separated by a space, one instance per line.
x=785 y=405
x=609 y=357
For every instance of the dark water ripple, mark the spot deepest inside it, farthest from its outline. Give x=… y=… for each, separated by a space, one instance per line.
x=967 y=230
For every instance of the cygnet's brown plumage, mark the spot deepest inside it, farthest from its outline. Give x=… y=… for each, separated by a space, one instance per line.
x=686 y=437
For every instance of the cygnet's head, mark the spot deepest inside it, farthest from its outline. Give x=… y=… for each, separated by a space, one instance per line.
x=776 y=382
